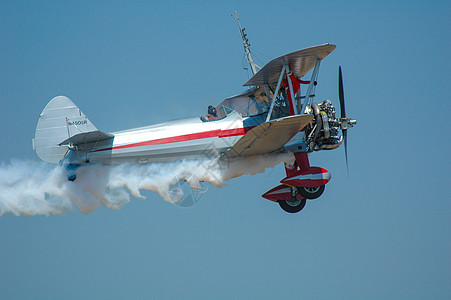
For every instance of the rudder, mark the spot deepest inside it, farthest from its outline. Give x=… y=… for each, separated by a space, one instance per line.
x=60 y=120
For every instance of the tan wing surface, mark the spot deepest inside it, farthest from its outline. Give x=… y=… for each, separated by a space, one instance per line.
x=299 y=62
x=268 y=137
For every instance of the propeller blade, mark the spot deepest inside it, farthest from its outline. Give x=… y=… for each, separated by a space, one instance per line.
x=341 y=95
x=345 y=140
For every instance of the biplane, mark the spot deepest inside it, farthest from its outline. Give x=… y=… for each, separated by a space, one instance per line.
x=271 y=116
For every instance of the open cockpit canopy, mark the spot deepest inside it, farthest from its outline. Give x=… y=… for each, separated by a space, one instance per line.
x=250 y=103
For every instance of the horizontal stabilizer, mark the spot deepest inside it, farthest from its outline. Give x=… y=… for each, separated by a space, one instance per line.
x=87 y=137
x=268 y=137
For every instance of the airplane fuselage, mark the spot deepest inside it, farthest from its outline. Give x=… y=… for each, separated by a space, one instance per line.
x=173 y=140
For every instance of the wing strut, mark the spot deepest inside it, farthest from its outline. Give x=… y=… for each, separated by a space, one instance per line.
x=310 y=87
x=276 y=92
x=286 y=71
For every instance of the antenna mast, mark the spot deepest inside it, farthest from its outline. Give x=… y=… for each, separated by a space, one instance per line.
x=246 y=45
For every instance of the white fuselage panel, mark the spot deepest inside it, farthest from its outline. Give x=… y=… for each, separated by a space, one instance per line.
x=180 y=139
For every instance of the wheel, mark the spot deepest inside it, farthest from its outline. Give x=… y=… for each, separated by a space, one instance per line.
x=293 y=206
x=71 y=168
x=311 y=192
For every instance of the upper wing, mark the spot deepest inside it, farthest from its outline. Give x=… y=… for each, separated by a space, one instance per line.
x=299 y=62
x=268 y=137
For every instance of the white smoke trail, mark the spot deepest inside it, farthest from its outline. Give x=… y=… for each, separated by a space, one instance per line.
x=29 y=188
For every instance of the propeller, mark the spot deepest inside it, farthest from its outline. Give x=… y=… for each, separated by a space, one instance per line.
x=345 y=122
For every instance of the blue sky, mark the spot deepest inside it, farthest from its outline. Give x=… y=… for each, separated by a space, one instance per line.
x=383 y=233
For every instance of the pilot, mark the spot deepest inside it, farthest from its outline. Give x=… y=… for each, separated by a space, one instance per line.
x=212 y=115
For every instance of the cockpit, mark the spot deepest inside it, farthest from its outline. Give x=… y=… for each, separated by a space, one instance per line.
x=252 y=102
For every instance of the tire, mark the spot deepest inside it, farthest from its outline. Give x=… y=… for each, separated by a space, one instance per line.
x=292 y=206
x=71 y=177
x=311 y=193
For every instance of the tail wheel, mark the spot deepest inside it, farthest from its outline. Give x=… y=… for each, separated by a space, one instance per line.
x=311 y=192
x=293 y=206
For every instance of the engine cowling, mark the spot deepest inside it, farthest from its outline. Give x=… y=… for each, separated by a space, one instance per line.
x=324 y=132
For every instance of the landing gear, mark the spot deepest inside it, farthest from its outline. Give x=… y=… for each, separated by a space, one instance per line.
x=311 y=192
x=71 y=177
x=302 y=183
x=71 y=168
x=296 y=204
x=292 y=206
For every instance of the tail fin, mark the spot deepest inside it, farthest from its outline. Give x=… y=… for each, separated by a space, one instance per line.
x=60 y=120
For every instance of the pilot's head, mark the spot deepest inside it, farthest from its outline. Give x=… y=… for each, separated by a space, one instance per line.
x=212 y=110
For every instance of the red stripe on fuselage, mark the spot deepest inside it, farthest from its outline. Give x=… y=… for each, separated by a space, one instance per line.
x=183 y=138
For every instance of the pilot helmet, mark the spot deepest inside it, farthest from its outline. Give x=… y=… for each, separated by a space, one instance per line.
x=212 y=110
